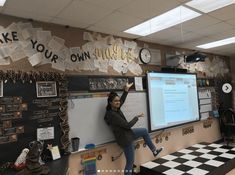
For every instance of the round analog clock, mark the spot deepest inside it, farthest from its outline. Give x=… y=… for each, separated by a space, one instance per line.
x=145 y=55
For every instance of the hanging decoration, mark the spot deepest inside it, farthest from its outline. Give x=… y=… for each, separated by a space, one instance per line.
x=21 y=40
x=30 y=77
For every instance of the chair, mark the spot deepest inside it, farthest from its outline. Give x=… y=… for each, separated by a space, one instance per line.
x=227 y=125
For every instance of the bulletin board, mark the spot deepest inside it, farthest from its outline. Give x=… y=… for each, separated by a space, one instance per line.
x=28 y=115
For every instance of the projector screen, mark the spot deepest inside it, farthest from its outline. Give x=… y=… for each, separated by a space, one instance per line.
x=173 y=99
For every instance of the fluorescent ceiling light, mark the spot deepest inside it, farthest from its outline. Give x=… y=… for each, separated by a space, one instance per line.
x=209 y=5
x=218 y=43
x=163 y=21
x=2 y=2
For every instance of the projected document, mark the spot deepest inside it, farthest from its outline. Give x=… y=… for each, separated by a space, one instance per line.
x=172 y=99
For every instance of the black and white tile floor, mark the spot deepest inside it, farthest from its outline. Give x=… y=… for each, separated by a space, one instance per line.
x=199 y=159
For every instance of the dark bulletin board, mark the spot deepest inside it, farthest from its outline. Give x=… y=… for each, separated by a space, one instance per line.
x=22 y=112
x=10 y=151
x=83 y=83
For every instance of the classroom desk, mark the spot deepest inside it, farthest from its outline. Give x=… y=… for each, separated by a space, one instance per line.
x=57 y=167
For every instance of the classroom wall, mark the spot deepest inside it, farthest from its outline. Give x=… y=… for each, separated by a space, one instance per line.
x=176 y=142
x=73 y=37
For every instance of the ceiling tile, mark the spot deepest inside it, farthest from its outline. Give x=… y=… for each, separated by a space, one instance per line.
x=225 y=13
x=148 y=8
x=1 y=9
x=183 y=1
x=112 y=31
x=117 y=21
x=223 y=35
x=192 y=44
x=189 y=37
x=231 y=22
x=223 y=50
x=213 y=29
x=187 y=46
x=69 y=22
x=127 y=35
x=155 y=41
x=169 y=43
x=109 y=4
x=227 y=48
x=148 y=39
x=102 y=29
x=83 y=12
x=26 y=14
x=43 y=7
x=166 y=34
x=198 y=23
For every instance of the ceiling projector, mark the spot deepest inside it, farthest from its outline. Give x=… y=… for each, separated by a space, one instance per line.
x=195 y=57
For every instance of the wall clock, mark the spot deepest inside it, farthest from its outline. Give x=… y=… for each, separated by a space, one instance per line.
x=145 y=55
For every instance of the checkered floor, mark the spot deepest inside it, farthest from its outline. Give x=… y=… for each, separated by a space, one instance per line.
x=199 y=159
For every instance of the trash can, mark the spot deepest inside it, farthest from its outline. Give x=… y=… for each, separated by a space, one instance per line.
x=75 y=143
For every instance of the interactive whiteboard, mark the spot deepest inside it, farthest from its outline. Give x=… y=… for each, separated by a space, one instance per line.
x=86 y=116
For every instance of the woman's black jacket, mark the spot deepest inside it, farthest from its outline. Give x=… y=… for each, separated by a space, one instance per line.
x=120 y=126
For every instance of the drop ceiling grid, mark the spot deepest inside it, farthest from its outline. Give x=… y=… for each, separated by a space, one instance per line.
x=26 y=14
x=198 y=23
x=109 y=4
x=225 y=13
x=84 y=12
x=148 y=9
x=214 y=29
x=46 y=8
x=117 y=21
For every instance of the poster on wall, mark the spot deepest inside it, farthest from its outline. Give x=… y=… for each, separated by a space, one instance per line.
x=96 y=84
x=46 y=89
x=1 y=88
x=45 y=133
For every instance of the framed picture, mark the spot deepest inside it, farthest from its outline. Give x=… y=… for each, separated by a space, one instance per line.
x=1 y=88
x=46 y=89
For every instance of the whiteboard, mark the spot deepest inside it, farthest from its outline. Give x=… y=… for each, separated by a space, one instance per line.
x=86 y=117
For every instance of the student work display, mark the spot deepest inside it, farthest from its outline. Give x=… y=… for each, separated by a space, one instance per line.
x=26 y=117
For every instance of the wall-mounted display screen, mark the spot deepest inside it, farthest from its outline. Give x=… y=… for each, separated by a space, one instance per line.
x=173 y=99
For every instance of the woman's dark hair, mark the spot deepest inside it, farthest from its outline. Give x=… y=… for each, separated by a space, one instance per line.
x=111 y=96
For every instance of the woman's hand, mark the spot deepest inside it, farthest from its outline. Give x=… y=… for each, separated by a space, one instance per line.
x=140 y=115
x=128 y=85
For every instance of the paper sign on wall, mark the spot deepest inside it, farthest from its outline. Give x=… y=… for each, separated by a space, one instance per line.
x=45 y=133
x=55 y=152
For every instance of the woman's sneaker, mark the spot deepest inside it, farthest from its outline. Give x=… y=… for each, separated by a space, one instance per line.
x=157 y=151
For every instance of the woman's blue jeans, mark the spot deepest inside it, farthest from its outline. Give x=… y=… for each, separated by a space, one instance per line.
x=130 y=150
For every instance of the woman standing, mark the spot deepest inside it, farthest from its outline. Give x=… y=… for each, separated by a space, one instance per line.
x=122 y=130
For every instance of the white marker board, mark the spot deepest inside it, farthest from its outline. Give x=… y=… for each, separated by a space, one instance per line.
x=86 y=117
